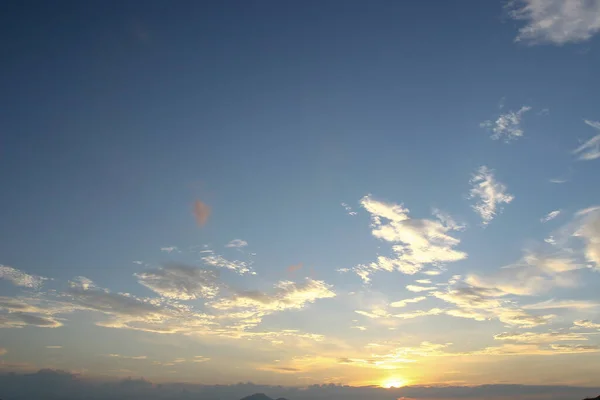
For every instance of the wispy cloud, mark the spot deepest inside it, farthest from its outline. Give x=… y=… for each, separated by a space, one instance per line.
x=237 y=243
x=201 y=212
x=405 y=302
x=169 y=249
x=180 y=282
x=590 y=150
x=586 y=323
x=507 y=126
x=287 y=295
x=490 y=194
x=348 y=209
x=550 y=216
x=20 y=278
x=54 y=347
x=533 y=274
x=539 y=337
x=416 y=288
x=564 y=304
x=416 y=242
x=588 y=230
x=126 y=357
x=555 y=21
x=241 y=267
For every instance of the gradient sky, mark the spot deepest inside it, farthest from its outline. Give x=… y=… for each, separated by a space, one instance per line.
x=388 y=192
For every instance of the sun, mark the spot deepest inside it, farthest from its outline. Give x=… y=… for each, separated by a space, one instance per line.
x=393 y=383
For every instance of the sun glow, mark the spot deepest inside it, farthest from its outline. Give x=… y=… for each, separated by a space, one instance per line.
x=393 y=383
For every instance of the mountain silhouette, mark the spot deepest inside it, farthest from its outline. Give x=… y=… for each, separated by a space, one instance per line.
x=592 y=398
x=260 y=396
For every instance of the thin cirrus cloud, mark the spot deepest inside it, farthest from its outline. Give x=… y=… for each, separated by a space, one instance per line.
x=181 y=282
x=489 y=193
x=20 y=278
x=539 y=337
x=415 y=242
x=201 y=212
x=562 y=304
x=586 y=323
x=237 y=243
x=287 y=295
x=240 y=267
x=405 y=302
x=588 y=230
x=555 y=21
x=590 y=150
x=507 y=126
x=550 y=216
x=417 y=288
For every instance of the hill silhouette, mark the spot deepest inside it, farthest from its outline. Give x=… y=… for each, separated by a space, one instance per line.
x=592 y=398
x=260 y=396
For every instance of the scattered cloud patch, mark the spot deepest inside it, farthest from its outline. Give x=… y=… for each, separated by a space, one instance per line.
x=588 y=230
x=586 y=323
x=562 y=304
x=180 y=282
x=20 y=278
x=536 y=337
x=241 y=267
x=555 y=21
x=550 y=216
x=590 y=150
x=169 y=249
x=348 y=209
x=416 y=288
x=415 y=242
x=507 y=126
x=490 y=194
x=201 y=212
x=405 y=302
x=287 y=295
x=237 y=243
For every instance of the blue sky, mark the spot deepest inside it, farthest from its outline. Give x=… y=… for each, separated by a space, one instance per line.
x=337 y=154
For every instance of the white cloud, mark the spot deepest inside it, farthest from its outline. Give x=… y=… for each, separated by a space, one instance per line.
x=420 y=313
x=180 y=282
x=589 y=231
x=550 y=216
x=130 y=312
x=586 y=323
x=535 y=337
x=126 y=357
x=241 y=267
x=415 y=288
x=531 y=275
x=416 y=242
x=54 y=347
x=237 y=243
x=590 y=150
x=507 y=126
x=562 y=304
x=424 y=281
x=287 y=295
x=169 y=249
x=20 y=278
x=374 y=313
x=556 y=21
x=490 y=194
x=480 y=303
x=348 y=209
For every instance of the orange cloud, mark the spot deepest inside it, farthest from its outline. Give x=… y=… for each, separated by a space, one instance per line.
x=293 y=268
x=201 y=212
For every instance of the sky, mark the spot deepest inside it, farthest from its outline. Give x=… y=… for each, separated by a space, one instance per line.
x=382 y=193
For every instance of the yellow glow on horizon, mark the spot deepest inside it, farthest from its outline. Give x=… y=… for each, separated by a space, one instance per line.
x=393 y=382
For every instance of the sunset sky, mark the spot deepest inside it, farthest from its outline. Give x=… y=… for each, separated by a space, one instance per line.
x=296 y=192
